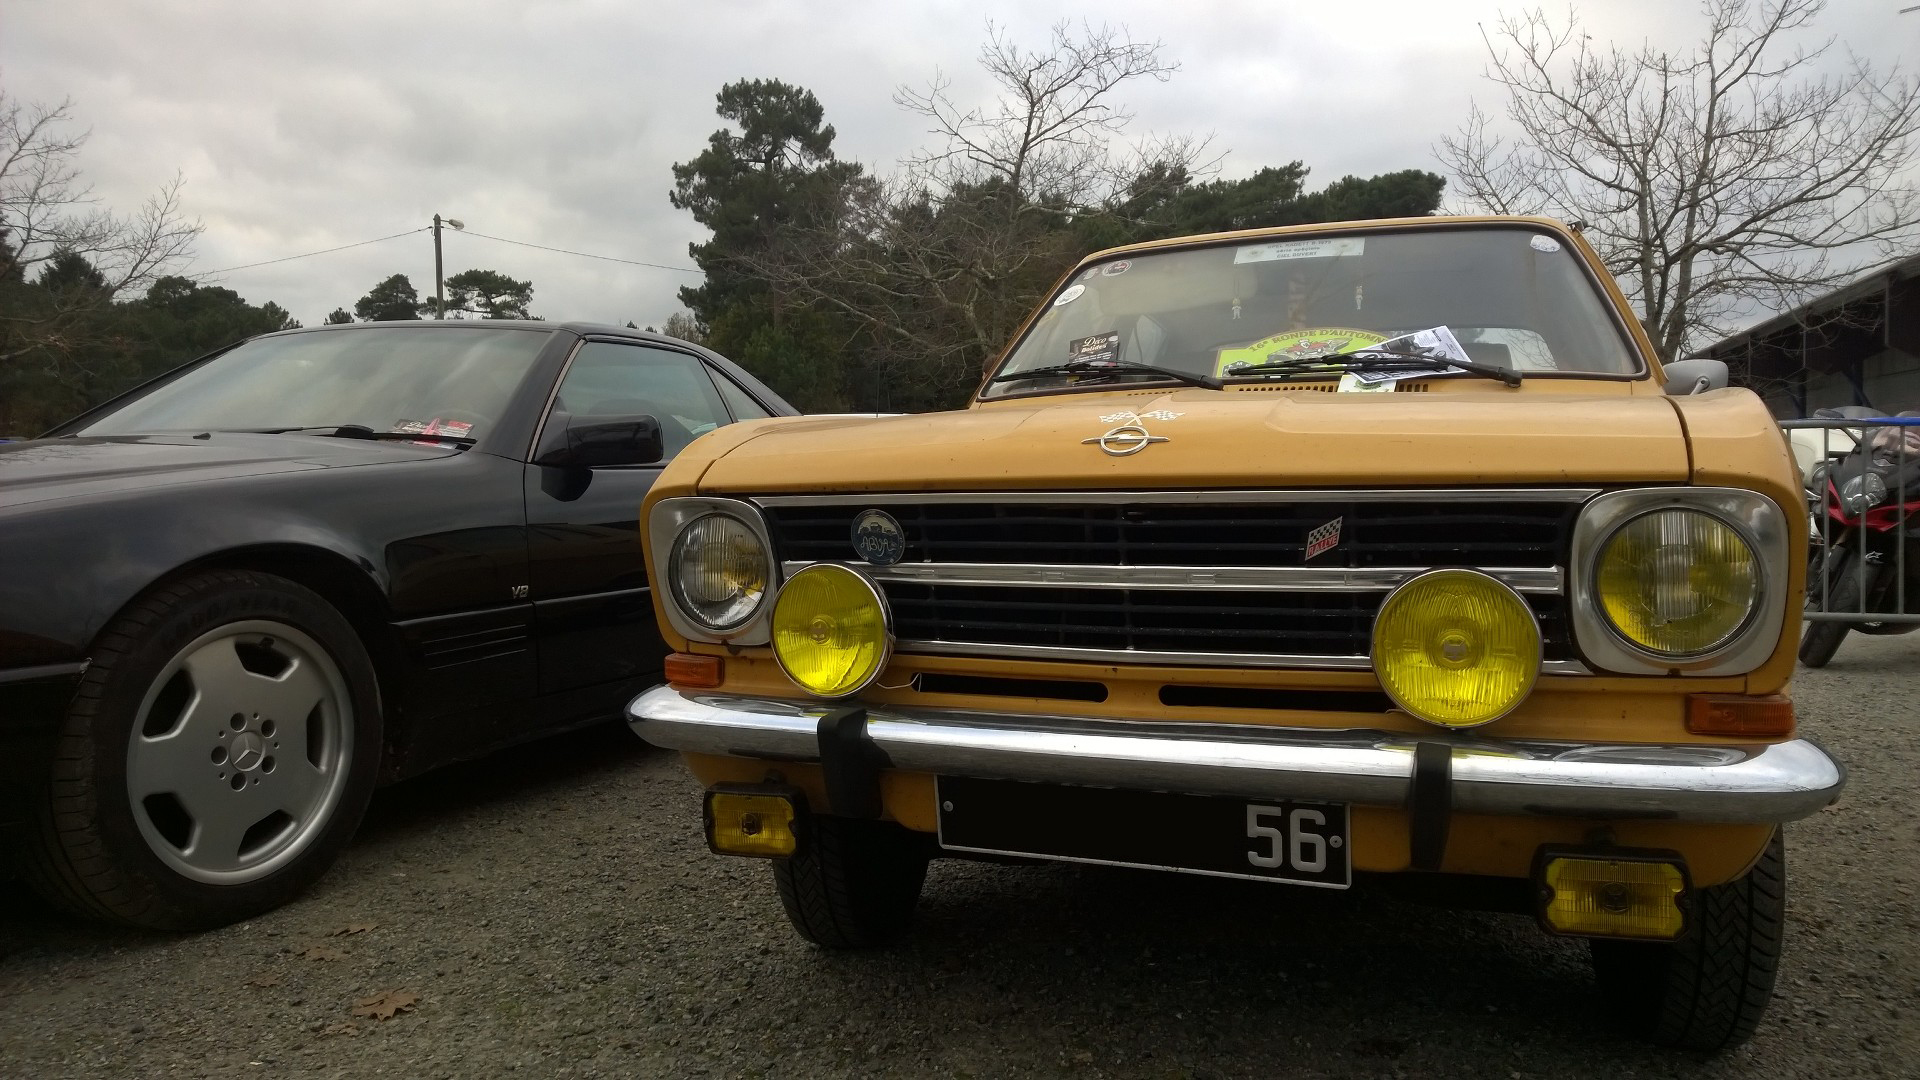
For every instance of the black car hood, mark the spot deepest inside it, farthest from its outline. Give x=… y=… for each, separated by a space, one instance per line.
x=42 y=470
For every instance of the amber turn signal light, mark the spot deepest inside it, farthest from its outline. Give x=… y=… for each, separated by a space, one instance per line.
x=693 y=672
x=757 y=822
x=1731 y=714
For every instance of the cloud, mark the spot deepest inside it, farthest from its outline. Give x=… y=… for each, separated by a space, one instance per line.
x=310 y=126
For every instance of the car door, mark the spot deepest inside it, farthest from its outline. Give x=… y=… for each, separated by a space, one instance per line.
x=593 y=611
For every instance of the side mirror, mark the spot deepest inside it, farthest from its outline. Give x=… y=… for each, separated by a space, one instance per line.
x=596 y=441
x=1696 y=377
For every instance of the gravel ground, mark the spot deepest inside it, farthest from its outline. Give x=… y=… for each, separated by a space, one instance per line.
x=557 y=914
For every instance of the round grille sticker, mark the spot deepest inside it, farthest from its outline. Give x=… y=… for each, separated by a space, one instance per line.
x=878 y=538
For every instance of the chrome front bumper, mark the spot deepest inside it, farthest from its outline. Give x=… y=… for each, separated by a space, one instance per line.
x=1760 y=783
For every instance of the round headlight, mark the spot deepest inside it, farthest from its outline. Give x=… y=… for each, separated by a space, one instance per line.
x=831 y=630
x=719 y=571
x=1863 y=493
x=1676 y=582
x=1456 y=648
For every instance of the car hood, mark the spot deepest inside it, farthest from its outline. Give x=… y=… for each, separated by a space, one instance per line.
x=1235 y=439
x=43 y=470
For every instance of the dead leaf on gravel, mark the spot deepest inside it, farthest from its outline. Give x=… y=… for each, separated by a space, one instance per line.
x=354 y=928
x=342 y=1028
x=322 y=952
x=386 y=1004
x=264 y=981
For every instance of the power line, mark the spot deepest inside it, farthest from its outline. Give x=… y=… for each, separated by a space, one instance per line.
x=582 y=254
x=311 y=254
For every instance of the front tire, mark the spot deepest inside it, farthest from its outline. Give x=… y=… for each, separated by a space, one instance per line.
x=853 y=884
x=1708 y=990
x=217 y=756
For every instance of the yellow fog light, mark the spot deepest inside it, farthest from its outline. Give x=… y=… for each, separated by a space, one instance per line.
x=757 y=822
x=1618 y=897
x=831 y=630
x=1677 y=582
x=1456 y=648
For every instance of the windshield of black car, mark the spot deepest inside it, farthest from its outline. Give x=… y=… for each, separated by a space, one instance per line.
x=438 y=379
x=1515 y=297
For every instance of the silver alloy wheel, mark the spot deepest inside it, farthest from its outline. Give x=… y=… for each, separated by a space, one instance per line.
x=239 y=752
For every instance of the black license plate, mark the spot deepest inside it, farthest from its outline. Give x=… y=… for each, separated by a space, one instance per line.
x=1305 y=843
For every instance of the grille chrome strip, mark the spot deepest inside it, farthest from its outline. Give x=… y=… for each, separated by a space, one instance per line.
x=1175 y=659
x=1184 y=578
x=1232 y=497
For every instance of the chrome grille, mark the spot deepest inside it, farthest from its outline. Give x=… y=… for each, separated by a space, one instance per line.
x=1182 y=577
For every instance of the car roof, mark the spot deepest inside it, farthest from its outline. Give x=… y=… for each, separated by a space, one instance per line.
x=775 y=403
x=584 y=329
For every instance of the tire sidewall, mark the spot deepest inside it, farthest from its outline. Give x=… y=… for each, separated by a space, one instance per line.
x=172 y=900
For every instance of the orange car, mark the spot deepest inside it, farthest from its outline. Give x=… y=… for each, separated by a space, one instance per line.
x=1302 y=555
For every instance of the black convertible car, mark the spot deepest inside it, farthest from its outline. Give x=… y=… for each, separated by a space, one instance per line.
x=235 y=599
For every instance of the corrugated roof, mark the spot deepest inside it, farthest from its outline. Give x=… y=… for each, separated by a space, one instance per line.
x=1865 y=285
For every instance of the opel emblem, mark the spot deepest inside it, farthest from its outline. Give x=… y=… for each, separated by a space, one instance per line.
x=878 y=538
x=1125 y=439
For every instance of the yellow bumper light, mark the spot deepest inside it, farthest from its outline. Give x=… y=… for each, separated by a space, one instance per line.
x=1456 y=648
x=1625 y=898
x=1677 y=583
x=832 y=632
x=757 y=823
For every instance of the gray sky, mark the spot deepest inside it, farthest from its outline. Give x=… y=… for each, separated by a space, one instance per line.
x=305 y=126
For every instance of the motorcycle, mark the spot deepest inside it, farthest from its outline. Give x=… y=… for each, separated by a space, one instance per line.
x=1869 y=560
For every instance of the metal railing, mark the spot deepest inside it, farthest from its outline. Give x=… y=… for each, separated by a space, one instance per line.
x=1826 y=444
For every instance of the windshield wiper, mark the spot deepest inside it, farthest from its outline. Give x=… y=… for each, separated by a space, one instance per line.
x=1108 y=367
x=361 y=431
x=1373 y=360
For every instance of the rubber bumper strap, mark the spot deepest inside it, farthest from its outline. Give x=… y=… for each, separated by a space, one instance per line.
x=850 y=763
x=1430 y=804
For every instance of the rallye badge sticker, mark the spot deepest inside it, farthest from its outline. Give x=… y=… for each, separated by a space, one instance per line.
x=1323 y=539
x=1073 y=293
x=1325 y=247
x=878 y=538
x=1543 y=243
x=1097 y=348
x=1115 y=269
x=1296 y=345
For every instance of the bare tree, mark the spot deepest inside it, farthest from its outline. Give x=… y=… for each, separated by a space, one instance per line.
x=1050 y=136
x=940 y=263
x=1716 y=181
x=49 y=218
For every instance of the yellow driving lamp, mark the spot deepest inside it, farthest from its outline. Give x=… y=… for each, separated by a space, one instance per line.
x=832 y=632
x=1456 y=648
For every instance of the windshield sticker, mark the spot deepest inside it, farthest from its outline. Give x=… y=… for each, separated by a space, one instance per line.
x=1115 y=269
x=1073 y=293
x=1325 y=247
x=1543 y=243
x=1355 y=382
x=1296 y=345
x=1096 y=349
x=452 y=429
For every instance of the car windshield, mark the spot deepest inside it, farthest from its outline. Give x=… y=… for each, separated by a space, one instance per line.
x=1513 y=296
x=453 y=381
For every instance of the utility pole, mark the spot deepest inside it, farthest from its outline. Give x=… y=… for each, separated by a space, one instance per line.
x=439 y=275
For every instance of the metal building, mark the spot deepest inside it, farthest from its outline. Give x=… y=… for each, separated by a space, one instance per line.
x=1857 y=345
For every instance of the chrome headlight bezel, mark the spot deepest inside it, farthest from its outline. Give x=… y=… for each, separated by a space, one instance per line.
x=668 y=519
x=1756 y=519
